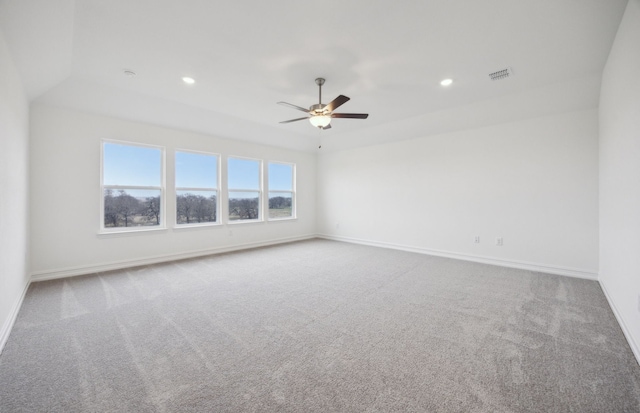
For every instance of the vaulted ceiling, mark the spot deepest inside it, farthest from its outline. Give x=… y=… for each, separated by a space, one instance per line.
x=388 y=57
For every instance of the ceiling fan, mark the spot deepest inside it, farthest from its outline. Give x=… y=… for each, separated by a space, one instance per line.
x=320 y=115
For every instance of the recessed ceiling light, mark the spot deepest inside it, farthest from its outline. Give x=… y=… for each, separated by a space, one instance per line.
x=188 y=80
x=446 y=82
x=129 y=73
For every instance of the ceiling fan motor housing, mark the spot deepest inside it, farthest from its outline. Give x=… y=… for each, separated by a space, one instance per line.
x=317 y=108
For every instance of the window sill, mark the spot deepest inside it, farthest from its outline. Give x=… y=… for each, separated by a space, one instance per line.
x=181 y=227
x=245 y=221
x=282 y=219
x=129 y=232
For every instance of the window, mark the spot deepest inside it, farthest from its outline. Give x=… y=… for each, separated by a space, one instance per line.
x=196 y=188
x=244 y=187
x=132 y=186
x=281 y=190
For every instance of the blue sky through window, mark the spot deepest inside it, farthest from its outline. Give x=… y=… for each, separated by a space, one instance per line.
x=130 y=165
x=244 y=174
x=127 y=165
x=280 y=177
x=194 y=170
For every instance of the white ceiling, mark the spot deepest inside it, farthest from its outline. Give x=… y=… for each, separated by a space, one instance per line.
x=389 y=57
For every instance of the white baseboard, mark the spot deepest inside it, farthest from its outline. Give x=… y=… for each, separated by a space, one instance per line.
x=90 y=269
x=11 y=319
x=623 y=325
x=549 y=269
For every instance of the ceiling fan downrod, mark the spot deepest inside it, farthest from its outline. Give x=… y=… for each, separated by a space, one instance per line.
x=320 y=82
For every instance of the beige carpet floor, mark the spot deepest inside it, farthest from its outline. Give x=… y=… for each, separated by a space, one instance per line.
x=318 y=326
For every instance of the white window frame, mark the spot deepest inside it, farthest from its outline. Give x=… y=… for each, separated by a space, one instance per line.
x=163 y=218
x=292 y=192
x=259 y=190
x=218 y=220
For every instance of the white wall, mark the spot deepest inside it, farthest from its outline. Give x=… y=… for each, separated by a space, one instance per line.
x=532 y=182
x=14 y=190
x=65 y=196
x=620 y=176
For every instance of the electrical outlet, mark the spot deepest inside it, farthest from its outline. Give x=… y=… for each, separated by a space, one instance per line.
x=337 y=226
x=499 y=241
x=476 y=240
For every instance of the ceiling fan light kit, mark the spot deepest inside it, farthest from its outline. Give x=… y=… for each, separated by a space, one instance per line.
x=320 y=115
x=320 y=121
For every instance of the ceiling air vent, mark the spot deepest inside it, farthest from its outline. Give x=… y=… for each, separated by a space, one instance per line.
x=501 y=74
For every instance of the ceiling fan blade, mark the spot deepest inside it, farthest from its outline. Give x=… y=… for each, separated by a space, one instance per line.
x=350 y=115
x=335 y=103
x=294 y=120
x=293 y=106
